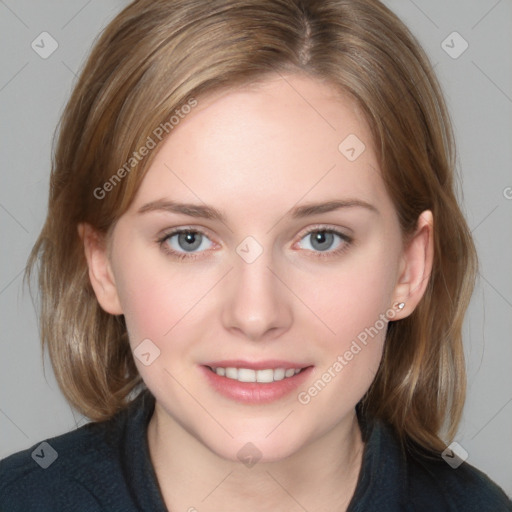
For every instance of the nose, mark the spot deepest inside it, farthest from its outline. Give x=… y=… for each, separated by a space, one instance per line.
x=257 y=305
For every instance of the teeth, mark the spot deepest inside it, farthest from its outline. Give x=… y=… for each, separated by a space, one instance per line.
x=262 y=376
x=246 y=375
x=279 y=374
x=231 y=373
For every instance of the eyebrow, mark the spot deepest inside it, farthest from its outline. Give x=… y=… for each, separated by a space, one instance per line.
x=209 y=212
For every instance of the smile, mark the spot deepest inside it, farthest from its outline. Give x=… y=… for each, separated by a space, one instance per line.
x=263 y=382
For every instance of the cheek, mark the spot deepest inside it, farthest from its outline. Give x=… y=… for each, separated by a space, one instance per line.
x=357 y=322
x=159 y=303
x=351 y=298
x=155 y=296
x=145 y=301
x=352 y=304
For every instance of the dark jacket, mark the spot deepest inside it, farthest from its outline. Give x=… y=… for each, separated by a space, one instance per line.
x=106 y=467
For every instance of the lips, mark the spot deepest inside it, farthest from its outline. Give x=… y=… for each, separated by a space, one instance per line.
x=255 y=382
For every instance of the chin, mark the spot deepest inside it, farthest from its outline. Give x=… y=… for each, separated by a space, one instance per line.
x=257 y=447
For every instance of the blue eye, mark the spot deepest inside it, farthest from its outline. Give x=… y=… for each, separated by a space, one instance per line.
x=191 y=243
x=184 y=242
x=324 y=241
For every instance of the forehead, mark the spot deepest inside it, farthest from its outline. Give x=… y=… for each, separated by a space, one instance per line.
x=286 y=140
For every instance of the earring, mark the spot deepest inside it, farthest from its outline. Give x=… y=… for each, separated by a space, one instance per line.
x=400 y=306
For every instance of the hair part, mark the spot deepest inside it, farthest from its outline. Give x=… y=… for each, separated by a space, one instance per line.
x=150 y=61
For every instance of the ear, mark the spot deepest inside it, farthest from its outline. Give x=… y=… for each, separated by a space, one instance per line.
x=100 y=271
x=416 y=266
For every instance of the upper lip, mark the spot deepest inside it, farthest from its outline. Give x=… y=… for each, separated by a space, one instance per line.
x=256 y=365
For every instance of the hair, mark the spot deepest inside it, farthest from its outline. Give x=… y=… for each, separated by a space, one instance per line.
x=157 y=56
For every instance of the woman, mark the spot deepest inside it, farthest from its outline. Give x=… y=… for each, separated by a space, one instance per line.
x=254 y=269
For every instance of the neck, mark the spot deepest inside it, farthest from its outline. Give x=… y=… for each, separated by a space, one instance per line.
x=322 y=475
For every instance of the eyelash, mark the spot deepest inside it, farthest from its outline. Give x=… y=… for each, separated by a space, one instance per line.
x=175 y=254
x=192 y=256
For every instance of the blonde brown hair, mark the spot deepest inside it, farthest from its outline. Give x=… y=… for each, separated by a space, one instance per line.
x=148 y=63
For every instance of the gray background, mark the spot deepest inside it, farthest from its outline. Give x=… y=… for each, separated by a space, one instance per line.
x=478 y=87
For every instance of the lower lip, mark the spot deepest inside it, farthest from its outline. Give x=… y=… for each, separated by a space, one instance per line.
x=255 y=392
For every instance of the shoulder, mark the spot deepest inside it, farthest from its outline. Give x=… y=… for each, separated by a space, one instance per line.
x=432 y=481
x=82 y=467
x=403 y=477
x=41 y=477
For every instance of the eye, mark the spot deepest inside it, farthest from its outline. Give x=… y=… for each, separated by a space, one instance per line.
x=191 y=242
x=185 y=242
x=324 y=240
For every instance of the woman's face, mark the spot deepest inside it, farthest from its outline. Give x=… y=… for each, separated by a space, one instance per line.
x=292 y=259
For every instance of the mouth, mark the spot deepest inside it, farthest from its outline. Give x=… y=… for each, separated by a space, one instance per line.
x=255 y=383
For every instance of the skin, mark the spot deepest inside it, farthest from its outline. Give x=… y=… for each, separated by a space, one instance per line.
x=255 y=153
